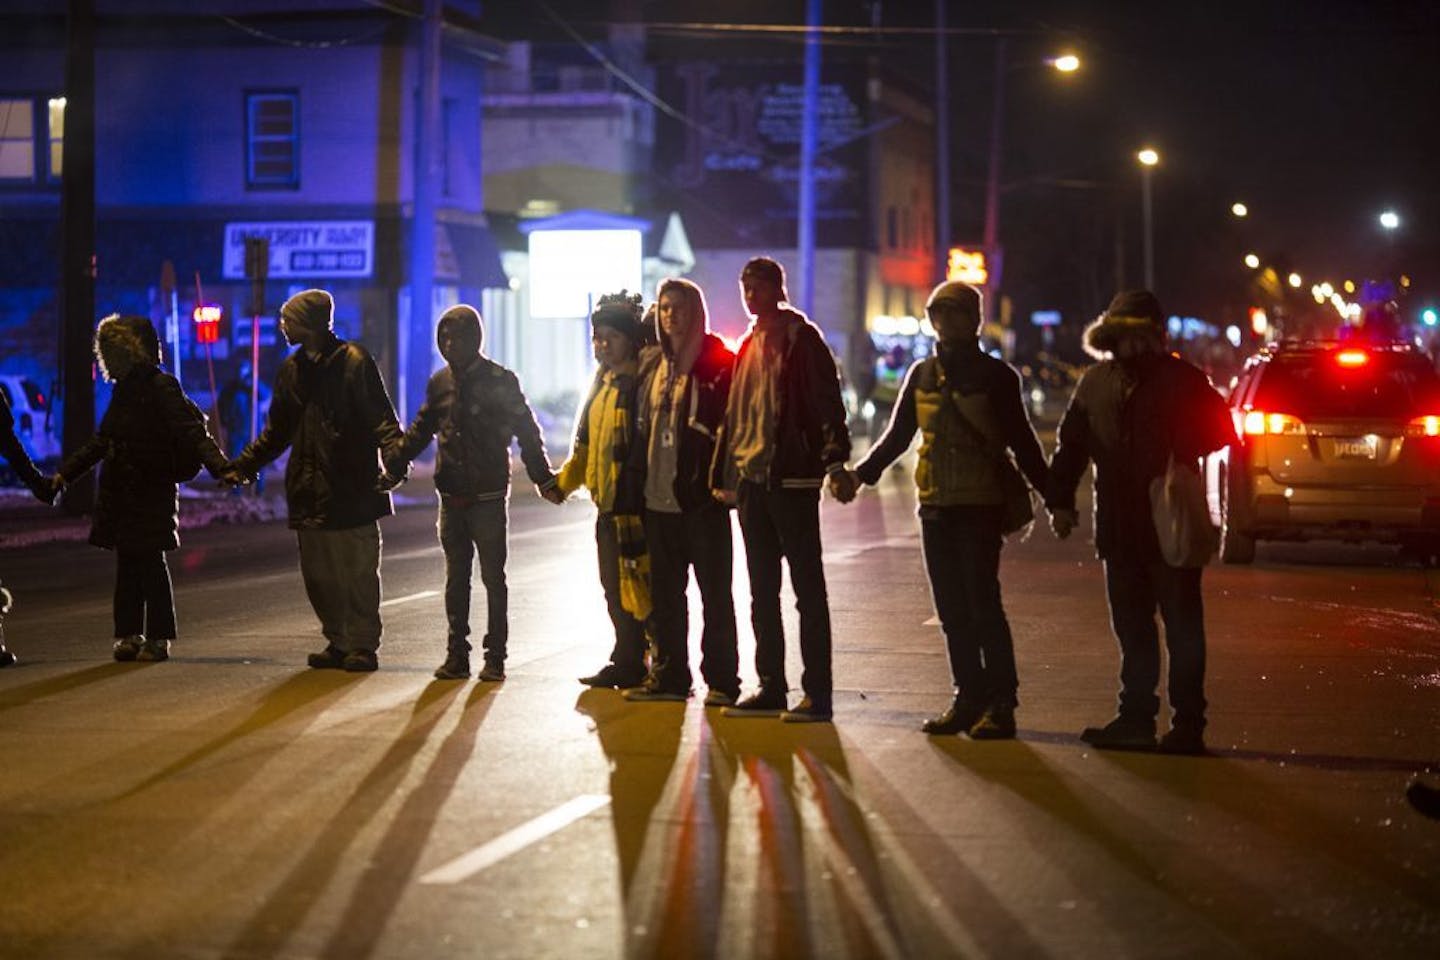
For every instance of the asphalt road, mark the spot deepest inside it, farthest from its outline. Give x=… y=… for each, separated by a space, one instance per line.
x=232 y=803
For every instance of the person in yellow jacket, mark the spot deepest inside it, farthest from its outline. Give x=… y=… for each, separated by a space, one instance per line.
x=602 y=436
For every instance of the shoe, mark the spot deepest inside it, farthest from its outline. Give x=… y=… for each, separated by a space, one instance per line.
x=807 y=712
x=996 y=723
x=615 y=677
x=720 y=698
x=959 y=717
x=1122 y=733
x=649 y=694
x=1425 y=799
x=361 y=661
x=7 y=659
x=1186 y=741
x=492 y=672
x=331 y=658
x=127 y=648
x=455 y=667
x=153 y=651
x=763 y=704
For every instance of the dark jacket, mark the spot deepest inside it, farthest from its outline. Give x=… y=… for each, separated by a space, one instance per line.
x=337 y=420
x=1128 y=417
x=811 y=437
x=14 y=451
x=955 y=468
x=149 y=417
x=706 y=396
x=474 y=421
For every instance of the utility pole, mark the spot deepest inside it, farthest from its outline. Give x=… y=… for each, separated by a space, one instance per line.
x=808 y=132
x=77 y=244
x=414 y=338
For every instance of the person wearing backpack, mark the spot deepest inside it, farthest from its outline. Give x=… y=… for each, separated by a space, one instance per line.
x=151 y=437
x=966 y=405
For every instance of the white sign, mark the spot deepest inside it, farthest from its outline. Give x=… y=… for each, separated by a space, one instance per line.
x=571 y=268
x=305 y=248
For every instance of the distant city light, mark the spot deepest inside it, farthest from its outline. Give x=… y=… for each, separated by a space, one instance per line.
x=1148 y=157
x=1067 y=63
x=1232 y=333
x=1252 y=261
x=1429 y=317
x=1404 y=281
x=1327 y=289
x=1295 y=280
x=1389 y=219
x=1239 y=209
x=1349 y=286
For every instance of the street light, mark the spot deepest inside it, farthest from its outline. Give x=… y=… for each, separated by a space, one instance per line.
x=1390 y=220
x=1252 y=261
x=1148 y=158
x=1239 y=209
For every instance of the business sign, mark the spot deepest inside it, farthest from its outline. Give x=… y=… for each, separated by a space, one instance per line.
x=305 y=248
x=1045 y=318
x=570 y=269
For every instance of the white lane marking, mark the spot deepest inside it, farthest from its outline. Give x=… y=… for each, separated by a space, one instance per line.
x=486 y=855
x=422 y=595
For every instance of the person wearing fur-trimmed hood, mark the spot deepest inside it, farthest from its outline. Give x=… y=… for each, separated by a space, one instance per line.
x=1129 y=415
x=149 y=425
x=679 y=409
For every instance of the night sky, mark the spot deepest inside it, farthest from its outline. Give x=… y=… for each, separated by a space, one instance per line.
x=1318 y=115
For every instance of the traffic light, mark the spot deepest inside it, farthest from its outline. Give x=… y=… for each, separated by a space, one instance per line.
x=207 y=322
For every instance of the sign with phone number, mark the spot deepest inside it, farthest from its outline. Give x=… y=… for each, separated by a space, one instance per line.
x=308 y=248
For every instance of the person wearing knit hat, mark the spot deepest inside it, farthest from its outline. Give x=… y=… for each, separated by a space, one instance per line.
x=1130 y=416
x=598 y=455
x=966 y=406
x=330 y=409
x=473 y=408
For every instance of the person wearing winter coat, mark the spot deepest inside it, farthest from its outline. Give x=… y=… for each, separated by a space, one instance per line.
x=329 y=407
x=604 y=432
x=148 y=431
x=13 y=451
x=679 y=410
x=784 y=435
x=473 y=408
x=1129 y=415
x=967 y=408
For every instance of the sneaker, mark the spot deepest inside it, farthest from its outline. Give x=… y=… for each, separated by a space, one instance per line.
x=959 y=717
x=1122 y=733
x=807 y=712
x=763 y=704
x=1424 y=798
x=996 y=723
x=1186 y=741
x=153 y=651
x=649 y=694
x=720 y=698
x=455 y=667
x=7 y=659
x=360 y=661
x=492 y=672
x=127 y=648
x=615 y=677
x=331 y=658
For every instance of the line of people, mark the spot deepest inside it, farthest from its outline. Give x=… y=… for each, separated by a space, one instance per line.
x=675 y=431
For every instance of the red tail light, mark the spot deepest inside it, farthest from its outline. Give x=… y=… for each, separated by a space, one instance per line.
x=1258 y=423
x=1352 y=358
x=1423 y=427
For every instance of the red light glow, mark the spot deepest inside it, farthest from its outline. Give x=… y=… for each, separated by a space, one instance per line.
x=1352 y=358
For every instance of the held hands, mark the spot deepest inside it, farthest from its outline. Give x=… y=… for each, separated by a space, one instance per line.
x=46 y=489
x=1062 y=522
x=551 y=494
x=232 y=476
x=728 y=498
x=388 y=482
x=843 y=485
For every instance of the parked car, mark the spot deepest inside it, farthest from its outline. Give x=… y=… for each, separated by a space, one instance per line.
x=35 y=424
x=1336 y=440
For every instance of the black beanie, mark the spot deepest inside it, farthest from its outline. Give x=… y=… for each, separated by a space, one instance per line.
x=311 y=309
x=620 y=311
x=1136 y=305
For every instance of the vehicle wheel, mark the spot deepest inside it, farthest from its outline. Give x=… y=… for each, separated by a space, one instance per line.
x=1235 y=546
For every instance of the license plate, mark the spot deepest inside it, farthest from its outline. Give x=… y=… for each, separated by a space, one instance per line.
x=1356 y=448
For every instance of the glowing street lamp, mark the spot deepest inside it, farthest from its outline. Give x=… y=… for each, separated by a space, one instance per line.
x=1252 y=261
x=1066 y=63
x=1148 y=158
x=1390 y=220
x=1239 y=209
x=1295 y=280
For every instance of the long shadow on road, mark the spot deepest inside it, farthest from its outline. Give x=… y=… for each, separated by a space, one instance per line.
x=29 y=693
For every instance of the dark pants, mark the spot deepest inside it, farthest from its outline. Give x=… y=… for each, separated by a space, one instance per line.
x=465 y=531
x=629 y=652
x=143 y=601
x=1135 y=590
x=962 y=558
x=677 y=541
x=341 y=570
x=776 y=524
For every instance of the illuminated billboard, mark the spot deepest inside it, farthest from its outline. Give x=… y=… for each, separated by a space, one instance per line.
x=570 y=269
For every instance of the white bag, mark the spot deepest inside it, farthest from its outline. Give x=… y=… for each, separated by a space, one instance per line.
x=1182 y=521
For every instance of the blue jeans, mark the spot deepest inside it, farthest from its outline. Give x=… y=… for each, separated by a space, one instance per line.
x=465 y=529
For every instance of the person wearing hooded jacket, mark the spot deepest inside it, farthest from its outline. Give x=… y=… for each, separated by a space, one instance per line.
x=137 y=509
x=475 y=407
x=679 y=409
x=1129 y=415
x=329 y=407
x=967 y=407
x=13 y=451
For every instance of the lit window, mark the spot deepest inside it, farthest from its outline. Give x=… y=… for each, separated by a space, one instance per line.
x=56 y=124
x=272 y=140
x=17 y=139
